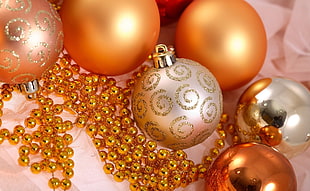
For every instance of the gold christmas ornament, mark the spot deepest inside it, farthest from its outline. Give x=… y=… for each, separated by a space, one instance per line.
x=275 y=111
x=178 y=103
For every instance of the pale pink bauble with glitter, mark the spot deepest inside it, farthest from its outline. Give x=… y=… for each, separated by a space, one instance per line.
x=31 y=39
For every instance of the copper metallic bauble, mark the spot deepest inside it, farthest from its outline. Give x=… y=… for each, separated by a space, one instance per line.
x=226 y=36
x=275 y=111
x=31 y=39
x=178 y=103
x=251 y=167
x=110 y=37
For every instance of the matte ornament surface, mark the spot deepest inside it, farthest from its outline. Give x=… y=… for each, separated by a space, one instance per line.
x=226 y=36
x=251 y=167
x=31 y=39
x=178 y=106
x=110 y=37
x=275 y=111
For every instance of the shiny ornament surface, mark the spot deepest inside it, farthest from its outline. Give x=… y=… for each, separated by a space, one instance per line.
x=170 y=10
x=178 y=106
x=227 y=37
x=252 y=167
x=275 y=111
x=110 y=37
x=31 y=39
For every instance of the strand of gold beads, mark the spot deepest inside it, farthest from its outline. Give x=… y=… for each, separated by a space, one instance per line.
x=102 y=108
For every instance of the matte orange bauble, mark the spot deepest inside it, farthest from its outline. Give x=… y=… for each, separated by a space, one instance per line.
x=110 y=37
x=226 y=36
x=31 y=40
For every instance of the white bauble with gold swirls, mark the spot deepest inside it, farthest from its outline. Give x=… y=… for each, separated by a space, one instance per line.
x=178 y=105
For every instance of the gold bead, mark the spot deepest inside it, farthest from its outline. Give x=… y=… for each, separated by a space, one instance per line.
x=34 y=148
x=172 y=164
x=133 y=177
x=91 y=130
x=112 y=156
x=81 y=121
x=14 y=139
x=137 y=154
x=103 y=155
x=177 y=179
x=45 y=140
x=98 y=143
x=132 y=130
x=119 y=176
x=24 y=150
x=68 y=173
x=163 y=154
x=164 y=172
x=140 y=139
x=37 y=135
x=153 y=181
x=207 y=160
x=128 y=159
x=51 y=167
x=70 y=151
x=5 y=133
x=19 y=130
x=6 y=95
x=23 y=160
x=222 y=134
x=54 y=183
x=68 y=125
x=35 y=168
x=224 y=118
x=151 y=145
x=151 y=156
x=69 y=163
x=135 y=166
x=30 y=122
x=163 y=184
x=57 y=109
x=108 y=168
x=219 y=143
x=47 y=153
x=202 y=172
x=185 y=164
x=63 y=156
x=214 y=152
x=1 y=104
x=180 y=155
x=123 y=149
x=26 y=138
x=120 y=165
x=65 y=184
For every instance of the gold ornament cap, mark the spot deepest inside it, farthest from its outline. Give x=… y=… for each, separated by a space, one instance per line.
x=163 y=56
x=29 y=88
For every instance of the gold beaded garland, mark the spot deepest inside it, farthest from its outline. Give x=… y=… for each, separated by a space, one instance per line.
x=102 y=108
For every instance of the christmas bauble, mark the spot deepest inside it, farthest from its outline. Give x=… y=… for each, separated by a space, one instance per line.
x=31 y=39
x=253 y=167
x=170 y=10
x=110 y=37
x=227 y=37
x=275 y=111
x=179 y=104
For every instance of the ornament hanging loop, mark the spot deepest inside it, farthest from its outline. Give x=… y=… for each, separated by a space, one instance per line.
x=163 y=56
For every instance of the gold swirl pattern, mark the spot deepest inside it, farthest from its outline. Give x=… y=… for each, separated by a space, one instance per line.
x=188 y=62
x=10 y=60
x=23 y=78
x=39 y=54
x=161 y=103
x=208 y=110
x=59 y=42
x=154 y=132
x=187 y=98
x=151 y=81
x=45 y=22
x=18 y=5
x=178 y=72
x=206 y=81
x=181 y=128
x=17 y=29
x=139 y=106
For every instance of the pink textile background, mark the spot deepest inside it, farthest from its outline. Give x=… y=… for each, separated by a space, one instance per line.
x=287 y=25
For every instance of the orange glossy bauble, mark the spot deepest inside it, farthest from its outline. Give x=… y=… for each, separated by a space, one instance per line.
x=110 y=37
x=226 y=36
x=31 y=40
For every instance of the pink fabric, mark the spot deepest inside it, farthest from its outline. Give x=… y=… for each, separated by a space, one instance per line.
x=287 y=24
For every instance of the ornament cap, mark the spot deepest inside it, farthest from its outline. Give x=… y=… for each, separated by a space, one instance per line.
x=29 y=88
x=163 y=56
